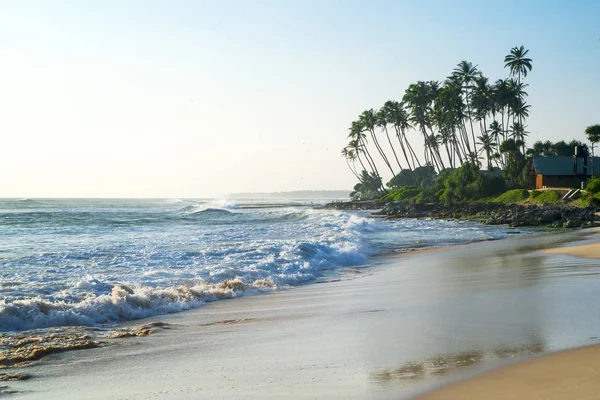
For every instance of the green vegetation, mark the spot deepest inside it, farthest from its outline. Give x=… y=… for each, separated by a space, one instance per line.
x=469 y=183
x=588 y=199
x=403 y=193
x=463 y=123
x=462 y=120
x=422 y=176
x=593 y=185
x=560 y=148
x=546 y=196
x=512 y=196
x=369 y=186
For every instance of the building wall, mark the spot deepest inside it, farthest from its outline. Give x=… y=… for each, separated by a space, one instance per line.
x=539 y=179
x=557 y=181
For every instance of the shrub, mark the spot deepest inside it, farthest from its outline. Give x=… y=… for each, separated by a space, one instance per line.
x=403 y=193
x=469 y=183
x=593 y=185
x=512 y=196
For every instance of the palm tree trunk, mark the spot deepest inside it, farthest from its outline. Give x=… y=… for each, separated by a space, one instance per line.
x=449 y=156
x=392 y=146
x=352 y=170
x=380 y=150
x=402 y=147
x=370 y=159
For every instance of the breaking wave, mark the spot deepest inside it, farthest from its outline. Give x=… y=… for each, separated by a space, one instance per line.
x=120 y=302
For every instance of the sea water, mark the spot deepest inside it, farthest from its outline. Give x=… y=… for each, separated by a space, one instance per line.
x=96 y=262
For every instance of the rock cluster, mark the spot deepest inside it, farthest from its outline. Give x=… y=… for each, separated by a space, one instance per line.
x=515 y=215
x=549 y=215
x=355 y=205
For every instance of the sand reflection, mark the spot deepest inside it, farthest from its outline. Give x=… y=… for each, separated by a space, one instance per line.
x=444 y=363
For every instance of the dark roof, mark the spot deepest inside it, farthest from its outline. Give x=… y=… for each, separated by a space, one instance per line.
x=563 y=166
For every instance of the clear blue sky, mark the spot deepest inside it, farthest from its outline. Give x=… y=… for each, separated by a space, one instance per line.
x=202 y=98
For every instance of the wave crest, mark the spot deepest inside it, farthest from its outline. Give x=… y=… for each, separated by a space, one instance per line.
x=122 y=302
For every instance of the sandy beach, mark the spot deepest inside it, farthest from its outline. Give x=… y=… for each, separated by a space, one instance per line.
x=589 y=250
x=392 y=331
x=572 y=374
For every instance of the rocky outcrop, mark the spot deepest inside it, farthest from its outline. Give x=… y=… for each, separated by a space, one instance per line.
x=515 y=215
x=355 y=205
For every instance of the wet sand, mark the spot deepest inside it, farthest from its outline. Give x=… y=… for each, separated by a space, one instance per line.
x=392 y=331
x=571 y=374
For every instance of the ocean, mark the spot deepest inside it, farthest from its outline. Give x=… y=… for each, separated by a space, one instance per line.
x=98 y=262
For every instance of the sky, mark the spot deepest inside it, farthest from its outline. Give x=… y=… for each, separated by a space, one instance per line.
x=203 y=98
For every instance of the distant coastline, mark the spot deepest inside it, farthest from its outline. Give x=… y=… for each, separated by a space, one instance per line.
x=292 y=195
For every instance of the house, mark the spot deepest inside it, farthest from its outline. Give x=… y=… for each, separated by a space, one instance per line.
x=561 y=172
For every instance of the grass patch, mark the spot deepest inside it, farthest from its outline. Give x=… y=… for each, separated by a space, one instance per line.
x=587 y=199
x=584 y=201
x=512 y=196
x=403 y=193
x=546 y=196
x=593 y=185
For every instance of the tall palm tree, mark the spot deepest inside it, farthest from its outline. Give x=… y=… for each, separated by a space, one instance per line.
x=482 y=101
x=368 y=121
x=450 y=117
x=502 y=100
x=400 y=120
x=465 y=72
x=383 y=120
x=519 y=133
x=350 y=157
x=359 y=140
x=418 y=98
x=357 y=150
x=495 y=130
x=593 y=134
x=517 y=62
x=488 y=145
x=520 y=110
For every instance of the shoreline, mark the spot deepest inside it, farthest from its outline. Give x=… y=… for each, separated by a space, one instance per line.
x=588 y=250
x=345 y=339
x=567 y=374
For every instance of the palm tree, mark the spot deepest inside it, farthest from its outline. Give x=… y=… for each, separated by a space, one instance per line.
x=502 y=100
x=418 y=98
x=495 y=130
x=482 y=101
x=350 y=156
x=520 y=110
x=519 y=133
x=358 y=140
x=382 y=121
x=593 y=134
x=488 y=145
x=517 y=62
x=400 y=120
x=465 y=73
x=368 y=121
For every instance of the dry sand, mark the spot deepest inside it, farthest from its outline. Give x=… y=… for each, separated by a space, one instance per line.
x=573 y=374
x=590 y=250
